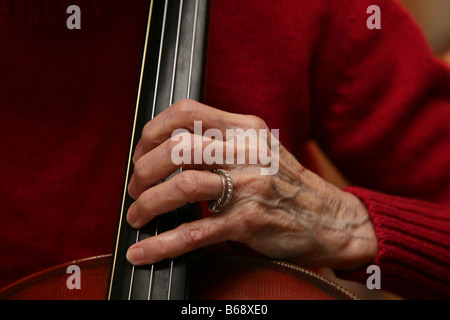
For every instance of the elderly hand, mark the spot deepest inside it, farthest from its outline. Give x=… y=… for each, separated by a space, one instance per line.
x=292 y=214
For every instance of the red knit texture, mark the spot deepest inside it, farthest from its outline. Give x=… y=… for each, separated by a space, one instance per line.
x=413 y=251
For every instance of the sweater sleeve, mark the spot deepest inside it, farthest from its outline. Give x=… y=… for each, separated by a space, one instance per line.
x=384 y=121
x=413 y=245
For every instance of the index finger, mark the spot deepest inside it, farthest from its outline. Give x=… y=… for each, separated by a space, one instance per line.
x=185 y=238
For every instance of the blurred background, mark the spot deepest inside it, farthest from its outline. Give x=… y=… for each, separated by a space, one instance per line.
x=433 y=16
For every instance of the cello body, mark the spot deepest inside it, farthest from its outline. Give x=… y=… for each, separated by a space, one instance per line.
x=213 y=276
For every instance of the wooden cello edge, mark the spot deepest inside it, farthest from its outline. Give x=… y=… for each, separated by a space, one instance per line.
x=51 y=284
x=219 y=276
x=228 y=277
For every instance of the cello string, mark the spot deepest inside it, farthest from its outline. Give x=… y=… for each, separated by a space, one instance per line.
x=131 y=148
x=152 y=268
x=153 y=115
x=194 y=30
x=187 y=94
x=171 y=102
x=159 y=58
x=175 y=61
x=130 y=289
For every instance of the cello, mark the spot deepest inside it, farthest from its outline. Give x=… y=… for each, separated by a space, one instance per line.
x=172 y=69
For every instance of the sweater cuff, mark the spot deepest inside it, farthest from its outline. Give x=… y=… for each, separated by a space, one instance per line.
x=413 y=246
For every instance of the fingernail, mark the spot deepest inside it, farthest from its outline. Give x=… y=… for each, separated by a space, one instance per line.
x=135 y=255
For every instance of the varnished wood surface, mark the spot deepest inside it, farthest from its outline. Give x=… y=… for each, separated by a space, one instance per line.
x=212 y=277
x=51 y=284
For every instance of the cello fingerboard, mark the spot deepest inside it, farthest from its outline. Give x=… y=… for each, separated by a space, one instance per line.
x=172 y=69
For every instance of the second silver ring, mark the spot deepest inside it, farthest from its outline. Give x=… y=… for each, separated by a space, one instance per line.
x=227 y=191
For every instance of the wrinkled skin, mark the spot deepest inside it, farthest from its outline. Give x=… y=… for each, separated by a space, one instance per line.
x=293 y=214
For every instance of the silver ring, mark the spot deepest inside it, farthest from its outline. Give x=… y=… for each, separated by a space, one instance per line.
x=227 y=192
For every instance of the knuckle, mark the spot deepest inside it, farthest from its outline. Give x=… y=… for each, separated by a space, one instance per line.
x=194 y=234
x=256 y=122
x=185 y=107
x=182 y=140
x=186 y=183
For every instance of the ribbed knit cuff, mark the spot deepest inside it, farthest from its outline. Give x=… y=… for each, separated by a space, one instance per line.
x=413 y=246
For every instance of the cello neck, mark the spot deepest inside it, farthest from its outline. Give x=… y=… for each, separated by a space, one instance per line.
x=172 y=69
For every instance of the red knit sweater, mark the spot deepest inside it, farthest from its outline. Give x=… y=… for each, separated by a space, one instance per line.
x=376 y=101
